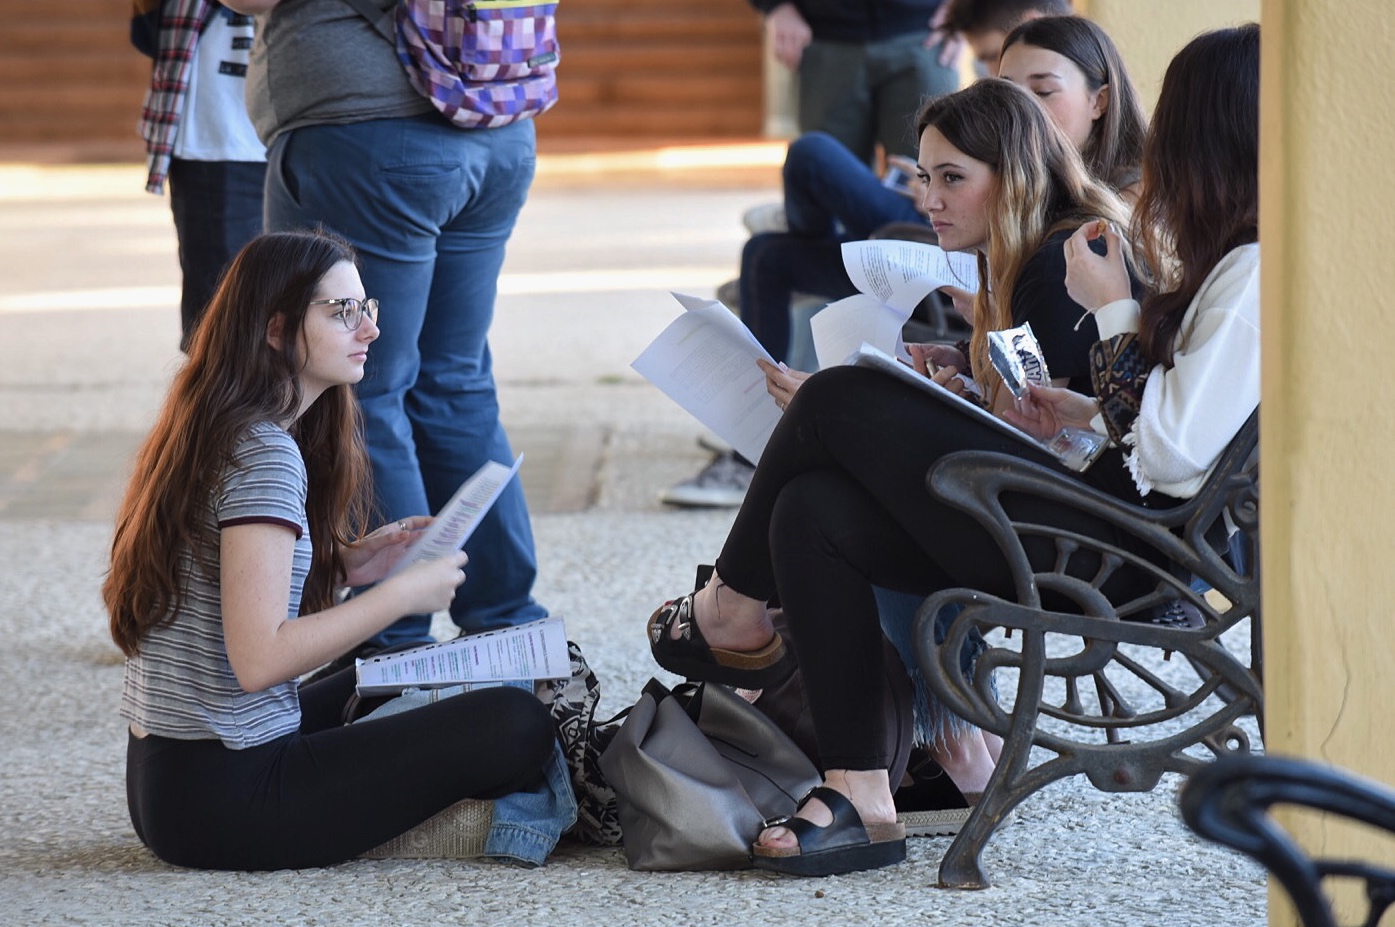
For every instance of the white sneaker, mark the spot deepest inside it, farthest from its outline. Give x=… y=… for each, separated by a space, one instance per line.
x=721 y=485
x=767 y=217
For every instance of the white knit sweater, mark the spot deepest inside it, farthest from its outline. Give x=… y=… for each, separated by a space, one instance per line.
x=1191 y=411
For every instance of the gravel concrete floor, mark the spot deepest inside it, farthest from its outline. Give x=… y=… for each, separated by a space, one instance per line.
x=90 y=324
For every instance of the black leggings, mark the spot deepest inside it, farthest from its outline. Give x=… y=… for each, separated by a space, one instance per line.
x=839 y=505
x=330 y=792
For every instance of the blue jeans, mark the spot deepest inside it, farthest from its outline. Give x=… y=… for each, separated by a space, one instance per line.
x=830 y=197
x=829 y=193
x=429 y=208
x=526 y=824
x=217 y=208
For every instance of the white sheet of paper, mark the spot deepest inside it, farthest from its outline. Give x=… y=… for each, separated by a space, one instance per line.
x=902 y=273
x=535 y=650
x=705 y=361
x=840 y=327
x=460 y=516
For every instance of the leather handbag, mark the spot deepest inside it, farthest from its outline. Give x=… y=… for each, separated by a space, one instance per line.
x=696 y=772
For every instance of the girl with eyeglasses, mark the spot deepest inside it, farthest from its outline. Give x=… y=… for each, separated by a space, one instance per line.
x=235 y=535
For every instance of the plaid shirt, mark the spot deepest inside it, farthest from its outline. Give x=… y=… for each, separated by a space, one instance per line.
x=180 y=28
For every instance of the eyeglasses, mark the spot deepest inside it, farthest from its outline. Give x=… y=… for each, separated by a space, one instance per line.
x=351 y=311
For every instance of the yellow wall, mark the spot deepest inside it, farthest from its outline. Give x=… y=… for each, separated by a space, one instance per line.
x=1149 y=32
x=1328 y=430
x=1328 y=498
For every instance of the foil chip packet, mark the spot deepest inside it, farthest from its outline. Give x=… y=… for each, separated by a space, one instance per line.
x=1016 y=354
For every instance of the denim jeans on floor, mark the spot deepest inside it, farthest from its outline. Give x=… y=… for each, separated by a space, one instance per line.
x=525 y=825
x=429 y=208
x=217 y=208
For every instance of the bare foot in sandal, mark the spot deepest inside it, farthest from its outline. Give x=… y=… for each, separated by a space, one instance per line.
x=721 y=636
x=728 y=619
x=868 y=790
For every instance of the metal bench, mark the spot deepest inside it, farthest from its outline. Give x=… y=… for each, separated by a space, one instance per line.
x=1085 y=683
x=1229 y=802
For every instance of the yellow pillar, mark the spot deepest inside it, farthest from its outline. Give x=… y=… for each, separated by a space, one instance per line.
x=1149 y=32
x=1328 y=430
x=1328 y=501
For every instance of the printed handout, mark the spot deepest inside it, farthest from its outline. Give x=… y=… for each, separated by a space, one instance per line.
x=460 y=516
x=705 y=361
x=892 y=277
x=536 y=650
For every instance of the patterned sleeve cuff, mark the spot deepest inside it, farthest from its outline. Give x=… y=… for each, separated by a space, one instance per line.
x=1118 y=371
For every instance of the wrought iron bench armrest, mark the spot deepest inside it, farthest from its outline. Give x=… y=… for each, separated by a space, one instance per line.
x=1229 y=802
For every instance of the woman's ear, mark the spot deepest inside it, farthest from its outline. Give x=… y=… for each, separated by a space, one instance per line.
x=275 y=326
x=1101 y=102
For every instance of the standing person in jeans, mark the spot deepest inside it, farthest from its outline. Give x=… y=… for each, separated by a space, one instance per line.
x=429 y=208
x=199 y=139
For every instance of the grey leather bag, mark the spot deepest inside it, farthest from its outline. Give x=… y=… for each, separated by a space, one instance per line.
x=696 y=771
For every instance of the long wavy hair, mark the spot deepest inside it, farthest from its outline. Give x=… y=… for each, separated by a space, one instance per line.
x=1114 y=150
x=1200 y=195
x=1040 y=187
x=233 y=379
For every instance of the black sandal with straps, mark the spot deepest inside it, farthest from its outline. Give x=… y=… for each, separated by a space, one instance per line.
x=690 y=655
x=844 y=845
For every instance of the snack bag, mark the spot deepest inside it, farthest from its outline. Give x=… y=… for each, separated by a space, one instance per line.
x=1017 y=357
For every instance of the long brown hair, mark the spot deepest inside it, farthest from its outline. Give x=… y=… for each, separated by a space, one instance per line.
x=1114 y=150
x=1040 y=187
x=1200 y=195
x=233 y=379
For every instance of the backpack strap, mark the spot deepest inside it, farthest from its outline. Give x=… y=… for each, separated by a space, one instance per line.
x=382 y=20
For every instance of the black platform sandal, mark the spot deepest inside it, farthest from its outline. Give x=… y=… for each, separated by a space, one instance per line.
x=844 y=845
x=689 y=654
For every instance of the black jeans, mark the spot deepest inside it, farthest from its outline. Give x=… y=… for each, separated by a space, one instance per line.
x=839 y=504
x=331 y=792
x=217 y=207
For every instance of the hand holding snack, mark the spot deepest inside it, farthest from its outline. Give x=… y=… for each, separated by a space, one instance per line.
x=1095 y=280
x=1043 y=411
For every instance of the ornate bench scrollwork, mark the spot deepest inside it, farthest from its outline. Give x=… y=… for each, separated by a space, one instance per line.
x=1082 y=678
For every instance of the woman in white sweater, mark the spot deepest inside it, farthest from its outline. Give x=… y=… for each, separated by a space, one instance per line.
x=1177 y=375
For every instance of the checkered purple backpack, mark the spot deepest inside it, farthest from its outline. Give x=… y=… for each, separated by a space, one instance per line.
x=481 y=63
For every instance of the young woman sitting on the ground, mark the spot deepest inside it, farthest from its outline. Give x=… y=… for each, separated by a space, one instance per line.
x=233 y=538
x=838 y=503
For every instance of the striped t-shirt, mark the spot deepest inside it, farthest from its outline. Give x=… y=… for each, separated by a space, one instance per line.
x=180 y=684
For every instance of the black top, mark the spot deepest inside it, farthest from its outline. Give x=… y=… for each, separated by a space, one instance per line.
x=1040 y=298
x=860 y=20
